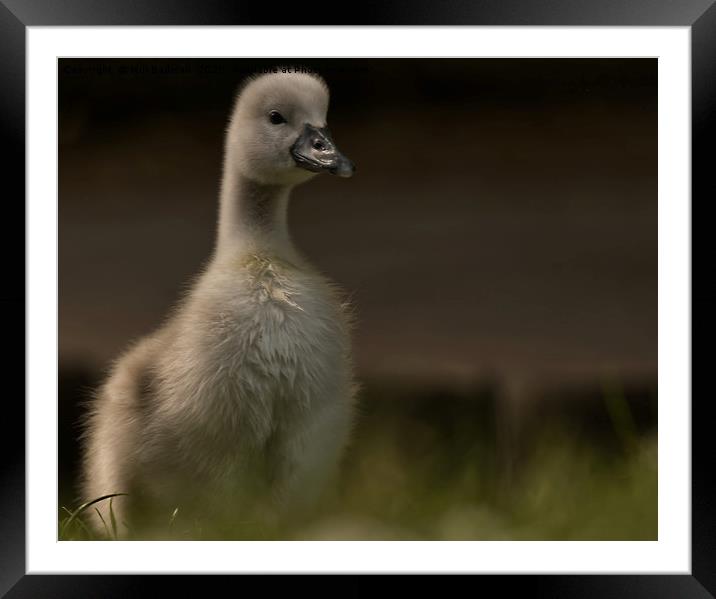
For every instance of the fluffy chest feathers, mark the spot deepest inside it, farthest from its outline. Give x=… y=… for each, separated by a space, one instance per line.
x=259 y=345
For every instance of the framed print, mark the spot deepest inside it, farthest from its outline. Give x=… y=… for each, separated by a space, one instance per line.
x=409 y=295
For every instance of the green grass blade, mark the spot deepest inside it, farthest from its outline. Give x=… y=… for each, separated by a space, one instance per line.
x=83 y=507
x=173 y=517
x=88 y=532
x=78 y=522
x=112 y=519
x=106 y=529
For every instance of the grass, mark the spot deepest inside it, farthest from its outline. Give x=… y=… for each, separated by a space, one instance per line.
x=435 y=468
x=73 y=526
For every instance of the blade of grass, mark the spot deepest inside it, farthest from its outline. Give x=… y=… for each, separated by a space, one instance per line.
x=79 y=522
x=88 y=532
x=103 y=522
x=112 y=519
x=173 y=517
x=62 y=522
x=83 y=507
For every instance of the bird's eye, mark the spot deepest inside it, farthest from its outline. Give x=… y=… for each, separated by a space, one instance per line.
x=276 y=117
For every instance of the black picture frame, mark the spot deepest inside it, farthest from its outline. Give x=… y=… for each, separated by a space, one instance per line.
x=17 y=15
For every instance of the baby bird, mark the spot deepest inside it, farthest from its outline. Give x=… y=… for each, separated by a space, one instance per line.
x=236 y=411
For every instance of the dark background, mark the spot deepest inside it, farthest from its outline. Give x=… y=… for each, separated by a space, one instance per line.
x=499 y=240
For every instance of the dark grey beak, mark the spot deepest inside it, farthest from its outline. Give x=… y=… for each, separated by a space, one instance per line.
x=315 y=151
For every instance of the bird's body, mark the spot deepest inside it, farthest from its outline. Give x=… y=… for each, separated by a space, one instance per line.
x=239 y=406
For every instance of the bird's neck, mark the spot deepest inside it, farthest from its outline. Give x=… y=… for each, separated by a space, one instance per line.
x=253 y=218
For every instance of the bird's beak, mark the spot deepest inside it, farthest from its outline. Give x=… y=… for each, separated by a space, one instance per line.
x=315 y=151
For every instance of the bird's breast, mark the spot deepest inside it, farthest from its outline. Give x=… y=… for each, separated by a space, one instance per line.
x=268 y=344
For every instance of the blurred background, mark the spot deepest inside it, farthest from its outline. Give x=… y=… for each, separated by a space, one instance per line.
x=499 y=242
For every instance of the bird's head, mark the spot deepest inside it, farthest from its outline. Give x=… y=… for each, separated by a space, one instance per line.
x=278 y=133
